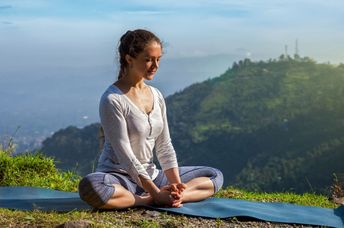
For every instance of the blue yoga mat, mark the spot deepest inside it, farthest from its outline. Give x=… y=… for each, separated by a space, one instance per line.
x=30 y=198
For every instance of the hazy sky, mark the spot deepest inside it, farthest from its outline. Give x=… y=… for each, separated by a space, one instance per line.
x=57 y=56
x=35 y=33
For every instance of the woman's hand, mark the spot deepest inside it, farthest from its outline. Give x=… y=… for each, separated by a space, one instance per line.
x=169 y=195
x=180 y=187
x=176 y=193
x=177 y=188
x=164 y=198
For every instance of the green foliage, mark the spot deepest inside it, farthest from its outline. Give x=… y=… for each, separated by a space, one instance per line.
x=74 y=149
x=34 y=170
x=273 y=125
x=306 y=199
x=269 y=126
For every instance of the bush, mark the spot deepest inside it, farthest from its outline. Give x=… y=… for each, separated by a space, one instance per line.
x=34 y=170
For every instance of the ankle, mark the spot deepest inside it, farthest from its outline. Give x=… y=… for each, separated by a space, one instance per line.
x=144 y=200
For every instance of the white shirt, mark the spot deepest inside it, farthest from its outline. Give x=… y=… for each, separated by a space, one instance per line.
x=131 y=135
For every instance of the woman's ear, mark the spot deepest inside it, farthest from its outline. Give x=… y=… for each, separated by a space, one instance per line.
x=129 y=59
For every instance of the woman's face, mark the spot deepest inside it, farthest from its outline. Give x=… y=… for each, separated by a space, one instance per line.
x=147 y=62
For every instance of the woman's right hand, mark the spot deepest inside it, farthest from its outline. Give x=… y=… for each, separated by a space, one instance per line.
x=169 y=195
x=164 y=198
x=175 y=194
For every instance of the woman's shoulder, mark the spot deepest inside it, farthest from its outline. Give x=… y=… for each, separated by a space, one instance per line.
x=159 y=98
x=111 y=95
x=157 y=92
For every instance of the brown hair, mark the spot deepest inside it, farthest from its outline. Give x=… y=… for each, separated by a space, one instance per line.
x=133 y=43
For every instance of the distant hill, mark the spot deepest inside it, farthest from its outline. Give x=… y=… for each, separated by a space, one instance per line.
x=74 y=148
x=270 y=125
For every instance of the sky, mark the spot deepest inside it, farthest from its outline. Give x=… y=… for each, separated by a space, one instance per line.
x=58 y=54
x=82 y=32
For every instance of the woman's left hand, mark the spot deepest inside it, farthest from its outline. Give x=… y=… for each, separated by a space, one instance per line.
x=164 y=198
x=176 y=193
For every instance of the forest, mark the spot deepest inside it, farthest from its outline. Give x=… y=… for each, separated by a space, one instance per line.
x=275 y=125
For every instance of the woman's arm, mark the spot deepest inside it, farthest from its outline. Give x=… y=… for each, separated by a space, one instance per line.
x=163 y=145
x=173 y=175
x=167 y=158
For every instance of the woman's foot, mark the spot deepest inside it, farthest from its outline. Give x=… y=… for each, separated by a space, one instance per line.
x=144 y=200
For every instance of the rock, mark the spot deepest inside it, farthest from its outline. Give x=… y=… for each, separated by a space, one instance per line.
x=338 y=200
x=151 y=214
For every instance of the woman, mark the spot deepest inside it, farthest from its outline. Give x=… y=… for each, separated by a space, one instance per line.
x=133 y=116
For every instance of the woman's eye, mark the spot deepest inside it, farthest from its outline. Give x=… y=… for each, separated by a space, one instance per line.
x=152 y=59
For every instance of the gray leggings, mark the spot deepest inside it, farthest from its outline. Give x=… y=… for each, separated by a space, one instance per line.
x=97 y=188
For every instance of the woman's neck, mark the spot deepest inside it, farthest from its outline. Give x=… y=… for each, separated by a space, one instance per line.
x=130 y=82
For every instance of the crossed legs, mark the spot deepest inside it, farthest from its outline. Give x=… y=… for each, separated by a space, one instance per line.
x=197 y=189
x=122 y=198
x=99 y=192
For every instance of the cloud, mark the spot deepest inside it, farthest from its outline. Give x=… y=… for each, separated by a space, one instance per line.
x=6 y=22
x=5 y=7
x=147 y=12
x=190 y=27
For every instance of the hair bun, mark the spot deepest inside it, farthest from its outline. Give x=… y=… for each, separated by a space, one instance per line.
x=126 y=35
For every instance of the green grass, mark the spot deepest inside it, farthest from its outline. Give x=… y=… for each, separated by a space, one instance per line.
x=38 y=170
x=126 y=218
x=306 y=199
x=34 y=170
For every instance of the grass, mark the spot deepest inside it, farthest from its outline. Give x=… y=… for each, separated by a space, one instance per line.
x=127 y=218
x=306 y=199
x=38 y=170
x=34 y=170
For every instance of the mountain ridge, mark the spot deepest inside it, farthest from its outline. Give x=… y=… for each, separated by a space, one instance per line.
x=268 y=125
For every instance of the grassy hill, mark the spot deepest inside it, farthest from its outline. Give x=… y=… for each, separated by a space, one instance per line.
x=74 y=149
x=273 y=125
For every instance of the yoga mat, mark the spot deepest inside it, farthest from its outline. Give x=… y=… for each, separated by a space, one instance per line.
x=33 y=198
x=272 y=212
x=30 y=198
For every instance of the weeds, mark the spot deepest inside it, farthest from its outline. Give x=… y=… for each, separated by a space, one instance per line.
x=9 y=147
x=337 y=191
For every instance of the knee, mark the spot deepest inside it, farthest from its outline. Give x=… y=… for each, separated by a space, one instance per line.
x=218 y=180
x=94 y=191
x=216 y=177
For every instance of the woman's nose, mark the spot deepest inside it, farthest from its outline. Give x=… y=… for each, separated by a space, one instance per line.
x=156 y=63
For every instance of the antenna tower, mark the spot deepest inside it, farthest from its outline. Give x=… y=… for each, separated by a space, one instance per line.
x=286 y=50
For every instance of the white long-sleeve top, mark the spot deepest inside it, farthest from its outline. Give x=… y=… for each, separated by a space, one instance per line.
x=131 y=135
